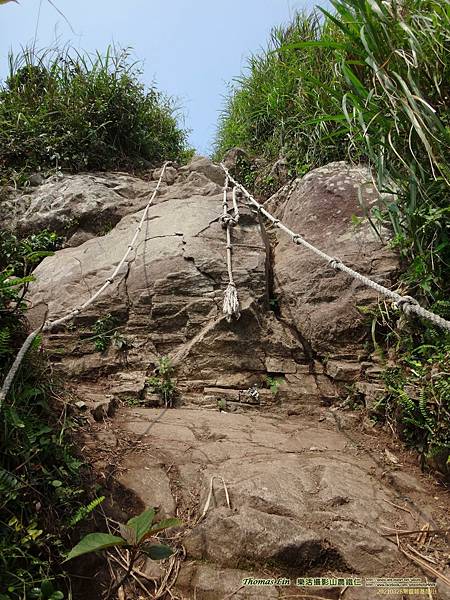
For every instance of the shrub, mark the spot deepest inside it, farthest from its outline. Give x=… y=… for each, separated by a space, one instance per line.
x=69 y=110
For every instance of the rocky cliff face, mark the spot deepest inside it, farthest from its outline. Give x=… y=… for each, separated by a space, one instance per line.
x=299 y=320
x=306 y=494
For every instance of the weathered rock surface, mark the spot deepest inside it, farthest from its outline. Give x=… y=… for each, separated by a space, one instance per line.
x=88 y=203
x=321 y=303
x=305 y=499
x=167 y=299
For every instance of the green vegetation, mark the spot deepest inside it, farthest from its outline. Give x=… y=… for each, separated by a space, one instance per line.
x=368 y=82
x=273 y=383
x=134 y=536
x=40 y=483
x=105 y=334
x=417 y=399
x=62 y=109
x=162 y=382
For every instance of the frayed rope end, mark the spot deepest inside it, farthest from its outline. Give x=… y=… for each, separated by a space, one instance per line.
x=231 y=303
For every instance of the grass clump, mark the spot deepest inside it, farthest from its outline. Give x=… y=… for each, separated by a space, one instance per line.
x=271 y=108
x=80 y=112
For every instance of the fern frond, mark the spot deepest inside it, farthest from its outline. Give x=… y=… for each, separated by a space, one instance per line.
x=8 y=483
x=5 y=339
x=84 y=511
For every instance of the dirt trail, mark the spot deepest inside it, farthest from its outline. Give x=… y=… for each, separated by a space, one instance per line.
x=310 y=496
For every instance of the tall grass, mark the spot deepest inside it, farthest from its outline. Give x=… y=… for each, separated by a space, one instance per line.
x=273 y=107
x=368 y=82
x=71 y=110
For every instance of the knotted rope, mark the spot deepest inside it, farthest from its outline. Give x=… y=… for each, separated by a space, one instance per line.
x=407 y=304
x=49 y=325
x=230 y=300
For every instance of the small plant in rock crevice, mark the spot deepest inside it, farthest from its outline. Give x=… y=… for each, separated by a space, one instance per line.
x=273 y=383
x=162 y=381
x=105 y=330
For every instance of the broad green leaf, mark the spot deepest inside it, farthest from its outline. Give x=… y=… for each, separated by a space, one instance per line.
x=93 y=542
x=34 y=256
x=142 y=523
x=159 y=552
x=164 y=524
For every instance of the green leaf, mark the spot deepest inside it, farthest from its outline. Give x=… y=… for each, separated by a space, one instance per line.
x=47 y=588
x=93 y=542
x=142 y=523
x=164 y=524
x=159 y=552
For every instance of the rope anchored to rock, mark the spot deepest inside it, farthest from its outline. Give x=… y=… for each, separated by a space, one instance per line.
x=405 y=303
x=231 y=306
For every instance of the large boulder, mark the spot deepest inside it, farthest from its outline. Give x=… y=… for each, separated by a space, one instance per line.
x=329 y=208
x=299 y=321
x=75 y=204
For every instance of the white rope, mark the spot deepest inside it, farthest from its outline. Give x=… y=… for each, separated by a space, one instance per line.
x=231 y=306
x=406 y=303
x=49 y=325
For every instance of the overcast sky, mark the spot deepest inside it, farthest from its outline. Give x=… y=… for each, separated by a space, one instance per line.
x=192 y=49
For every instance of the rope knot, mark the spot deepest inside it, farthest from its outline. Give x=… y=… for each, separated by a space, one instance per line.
x=297 y=239
x=335 y=262
x=227 y=220
x=405 y=304
x=231 y=306
x=256 y=209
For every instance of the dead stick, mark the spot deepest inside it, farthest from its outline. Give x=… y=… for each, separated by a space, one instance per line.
x=431 y=560
x=400 y=507
x=132 y=573
x=425 y=566
x=411 y=531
